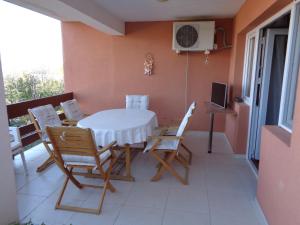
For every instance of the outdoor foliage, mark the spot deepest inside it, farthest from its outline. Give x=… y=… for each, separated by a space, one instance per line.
x=31 y=86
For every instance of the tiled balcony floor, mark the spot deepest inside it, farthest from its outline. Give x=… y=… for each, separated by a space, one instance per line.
x=221 y=192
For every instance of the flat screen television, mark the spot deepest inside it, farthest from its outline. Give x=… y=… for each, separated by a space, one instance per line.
x=219 y=94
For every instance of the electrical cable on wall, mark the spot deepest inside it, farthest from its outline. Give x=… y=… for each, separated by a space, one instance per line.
x=186 y=80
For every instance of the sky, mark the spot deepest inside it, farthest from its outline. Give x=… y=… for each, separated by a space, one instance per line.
x=28 y=40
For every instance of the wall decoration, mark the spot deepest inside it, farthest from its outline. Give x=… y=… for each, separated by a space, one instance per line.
x=148 y=64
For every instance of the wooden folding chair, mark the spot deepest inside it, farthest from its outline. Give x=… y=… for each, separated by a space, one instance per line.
x=75 y=147
x=41 y=117
x=169 y=145
x=172 y=131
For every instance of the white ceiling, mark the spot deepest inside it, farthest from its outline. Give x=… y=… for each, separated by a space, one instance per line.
x=153 y=10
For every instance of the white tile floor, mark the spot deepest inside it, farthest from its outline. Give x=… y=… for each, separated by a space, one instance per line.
x=221 y=192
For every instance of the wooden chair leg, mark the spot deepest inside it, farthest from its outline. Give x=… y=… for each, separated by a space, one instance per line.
x=158 y=166
x=161 y=169
x=168 y=167
x=189 y=153
x=45 y=164
x=58 y=202
x=107 y=176
x=49 y=161
x=107 y=185
x=185 y=164
x=128 y=163
x=70 y=177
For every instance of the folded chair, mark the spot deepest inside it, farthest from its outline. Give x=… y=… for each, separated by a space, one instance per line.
x=41 y=117
x=137 y=101
x=169 y=145
x=75 y=147
x=172 y=131
x=72 y=112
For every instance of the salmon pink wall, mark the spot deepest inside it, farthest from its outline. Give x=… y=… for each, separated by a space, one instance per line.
x=279 y=174
x=102 y=69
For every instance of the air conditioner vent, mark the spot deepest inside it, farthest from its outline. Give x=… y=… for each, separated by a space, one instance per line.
x=193 y=36
x=186 y=36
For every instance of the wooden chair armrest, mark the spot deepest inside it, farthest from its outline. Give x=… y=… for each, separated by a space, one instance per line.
x=164 y=130
x=107 y=147
x=67 y=122
x=168 y=128
x=173 y=128
x=167 y=138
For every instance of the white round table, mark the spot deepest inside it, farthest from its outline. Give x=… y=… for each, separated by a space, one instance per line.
x=126 y=126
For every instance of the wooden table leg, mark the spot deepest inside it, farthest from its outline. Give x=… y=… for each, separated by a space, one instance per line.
x=127 y=176
x=211 y=131
x=128 y=162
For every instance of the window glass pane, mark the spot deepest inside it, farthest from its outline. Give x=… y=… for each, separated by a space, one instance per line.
x=249 y=67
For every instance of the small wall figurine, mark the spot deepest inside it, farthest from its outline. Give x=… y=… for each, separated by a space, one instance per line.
x=148 y=64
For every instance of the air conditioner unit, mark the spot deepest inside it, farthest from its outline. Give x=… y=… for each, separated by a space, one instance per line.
x=193 y=36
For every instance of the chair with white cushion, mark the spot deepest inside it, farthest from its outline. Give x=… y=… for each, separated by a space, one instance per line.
x=137 y=101
x=169 y=145
x=75 y=147
x=16 y=145
x=41 y=117
x=72 y=111
x=172 y=131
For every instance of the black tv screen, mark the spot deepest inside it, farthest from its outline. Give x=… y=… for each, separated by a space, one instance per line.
x=219 y=94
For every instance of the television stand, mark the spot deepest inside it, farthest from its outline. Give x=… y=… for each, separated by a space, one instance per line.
x=211 y=108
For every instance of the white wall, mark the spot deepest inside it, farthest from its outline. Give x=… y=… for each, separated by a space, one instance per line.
x=8 y=199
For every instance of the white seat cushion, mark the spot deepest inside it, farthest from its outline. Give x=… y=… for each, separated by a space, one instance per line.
x=72 y=110
x=137 y=101
x=85 y=160
x=46 y=116
x=163 y=145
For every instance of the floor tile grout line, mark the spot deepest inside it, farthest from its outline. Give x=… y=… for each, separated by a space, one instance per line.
x=166 y=205
x=123 y=204
x=45 y=199
x=207 y=194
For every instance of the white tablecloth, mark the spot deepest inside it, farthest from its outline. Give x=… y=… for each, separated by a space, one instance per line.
x=126 y=126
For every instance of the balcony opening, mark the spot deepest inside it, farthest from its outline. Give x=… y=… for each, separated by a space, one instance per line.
x=31 y=54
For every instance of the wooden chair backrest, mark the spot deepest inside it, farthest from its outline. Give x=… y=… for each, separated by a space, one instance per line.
x=185 y=121
x=72 y=141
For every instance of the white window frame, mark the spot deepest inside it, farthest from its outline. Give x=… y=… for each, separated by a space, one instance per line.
x=289 y=86
x=250 y=35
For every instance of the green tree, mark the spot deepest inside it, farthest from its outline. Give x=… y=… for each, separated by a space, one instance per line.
x=31 y=86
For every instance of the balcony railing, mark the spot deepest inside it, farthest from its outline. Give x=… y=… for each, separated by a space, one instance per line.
x=28 y=134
